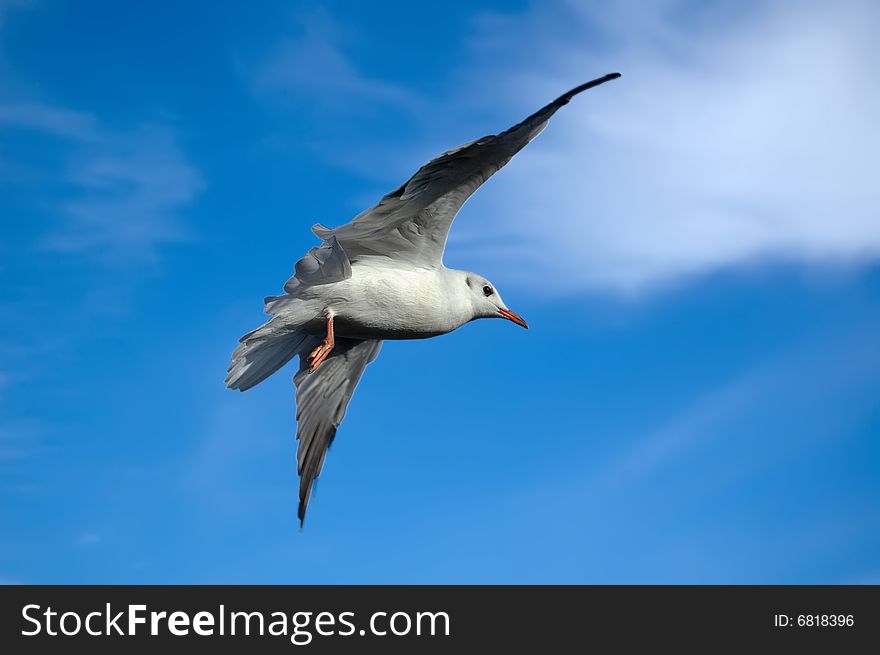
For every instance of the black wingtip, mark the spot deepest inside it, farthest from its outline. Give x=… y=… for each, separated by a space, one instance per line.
x=535 y=122
x=588 y=85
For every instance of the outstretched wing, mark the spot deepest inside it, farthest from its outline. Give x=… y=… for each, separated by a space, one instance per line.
x=410 y=224
x=321 y=400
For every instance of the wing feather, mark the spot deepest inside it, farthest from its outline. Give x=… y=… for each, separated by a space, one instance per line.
x=412 y=222
x=321 y=400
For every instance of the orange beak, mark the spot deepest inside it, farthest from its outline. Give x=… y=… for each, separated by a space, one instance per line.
x=513 y=316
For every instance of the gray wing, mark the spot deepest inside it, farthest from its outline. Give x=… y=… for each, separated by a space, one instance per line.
x=411 y=223
x=321 y=400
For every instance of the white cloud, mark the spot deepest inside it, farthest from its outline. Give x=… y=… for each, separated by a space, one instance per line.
x=731 y=137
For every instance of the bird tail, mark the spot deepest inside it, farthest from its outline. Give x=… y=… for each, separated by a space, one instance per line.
x=263 y=351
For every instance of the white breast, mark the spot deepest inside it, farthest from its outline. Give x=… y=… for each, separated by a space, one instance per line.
x=392 y=303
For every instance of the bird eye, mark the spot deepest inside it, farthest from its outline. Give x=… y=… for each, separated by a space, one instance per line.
x=487 y=290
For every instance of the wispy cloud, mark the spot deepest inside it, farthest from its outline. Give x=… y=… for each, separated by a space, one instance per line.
x=123 y=190
x=101 y=195
x=129 y=190
x=311 y=62
x=52 y=120
x=785 y=396
x=349 y=118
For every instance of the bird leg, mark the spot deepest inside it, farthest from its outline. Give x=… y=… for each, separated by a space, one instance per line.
x=319 y=354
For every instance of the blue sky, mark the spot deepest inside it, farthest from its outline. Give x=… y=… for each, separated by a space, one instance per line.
x=695 y=247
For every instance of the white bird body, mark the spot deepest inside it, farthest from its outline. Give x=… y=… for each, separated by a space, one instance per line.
x=380 y=276
x=388 y=302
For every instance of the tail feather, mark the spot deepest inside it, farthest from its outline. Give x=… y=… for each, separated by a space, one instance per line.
x=262 y=352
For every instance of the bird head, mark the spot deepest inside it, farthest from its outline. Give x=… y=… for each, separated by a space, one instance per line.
x=486 y=301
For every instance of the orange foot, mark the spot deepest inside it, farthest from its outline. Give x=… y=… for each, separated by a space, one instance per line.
x=319 y=354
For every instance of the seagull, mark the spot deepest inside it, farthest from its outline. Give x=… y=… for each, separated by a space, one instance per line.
x=380 y=276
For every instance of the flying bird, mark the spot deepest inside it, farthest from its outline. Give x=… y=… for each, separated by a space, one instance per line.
x=380 y=276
